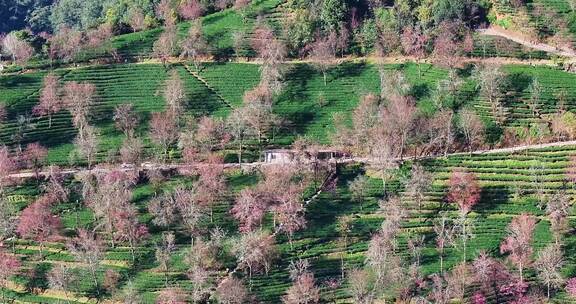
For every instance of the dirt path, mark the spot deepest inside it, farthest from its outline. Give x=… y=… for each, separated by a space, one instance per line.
x=510 y=35
x=189 y=167
x=370 y=59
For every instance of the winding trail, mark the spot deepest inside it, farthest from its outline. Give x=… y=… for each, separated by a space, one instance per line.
x=510 y=35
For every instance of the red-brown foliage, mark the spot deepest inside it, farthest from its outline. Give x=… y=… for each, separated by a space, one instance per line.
x=463 y=190
x=190 y=9
x=9 y=266
x=38 y=223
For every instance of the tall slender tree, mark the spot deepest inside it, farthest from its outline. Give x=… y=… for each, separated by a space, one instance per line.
x=49 y=101
x=518 y=243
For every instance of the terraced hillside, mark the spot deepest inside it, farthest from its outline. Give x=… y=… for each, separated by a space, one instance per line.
x=508 y=188
x=305 y=103
x=196 y=216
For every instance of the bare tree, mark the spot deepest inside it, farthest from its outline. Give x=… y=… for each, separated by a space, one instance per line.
x=19 y=49
x=359 y=188
x=50 y=102
x=239 y=127
x=163 y=131
x=206 y=136
x=172 y=295
x=451 y=44
x=190 y=9
x=190 y=211
x=258 y=113
x=175 y=94
x=9 y=266
x=55 y=186
x=3 y=113
x=164 y=210
x=534 y=101
x=128 y=229
x=382 y=153
x=35 y=156
x=393 y=83
x=249 y=209
x=24 y=125
x=210 y=187
x=440 y=132
x=344 y=227
x=194 y=45
x=303 y=290
x=201 y=286
x=107 y=195
x=364 y=118
x=440 y=293
x=381 y=256
x=323 y=54
x=472 y=128
x=231 y=291
x=164 y=252
x=255 y=251
x=79 y=98
x=414 y=43
x=290 y=217
x=7 y=166
x=459 y=278
x=126 y=119
x=420 y=182
x=165 y=11
x=491 y=81
x=65 y=44
x=272 y=52
x=548 y=264
x=86 y=143
x=444 y=231
x=136 y=19
x=558 y=209
x=8 y=218
x=360 y=286
x=399 y=115
x=62 y=278
x=89 y=250
x=518 y=242
x=166 y=45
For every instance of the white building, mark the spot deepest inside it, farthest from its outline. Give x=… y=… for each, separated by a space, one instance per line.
x=285 y=156
x=279 y=156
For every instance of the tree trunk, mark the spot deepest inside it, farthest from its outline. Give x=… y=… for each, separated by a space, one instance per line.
x=521 y=269
x=342 y=258
x=464 y=237
x=240 y=154
x=441 y=261
x=419 y=68
x=383 y=184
